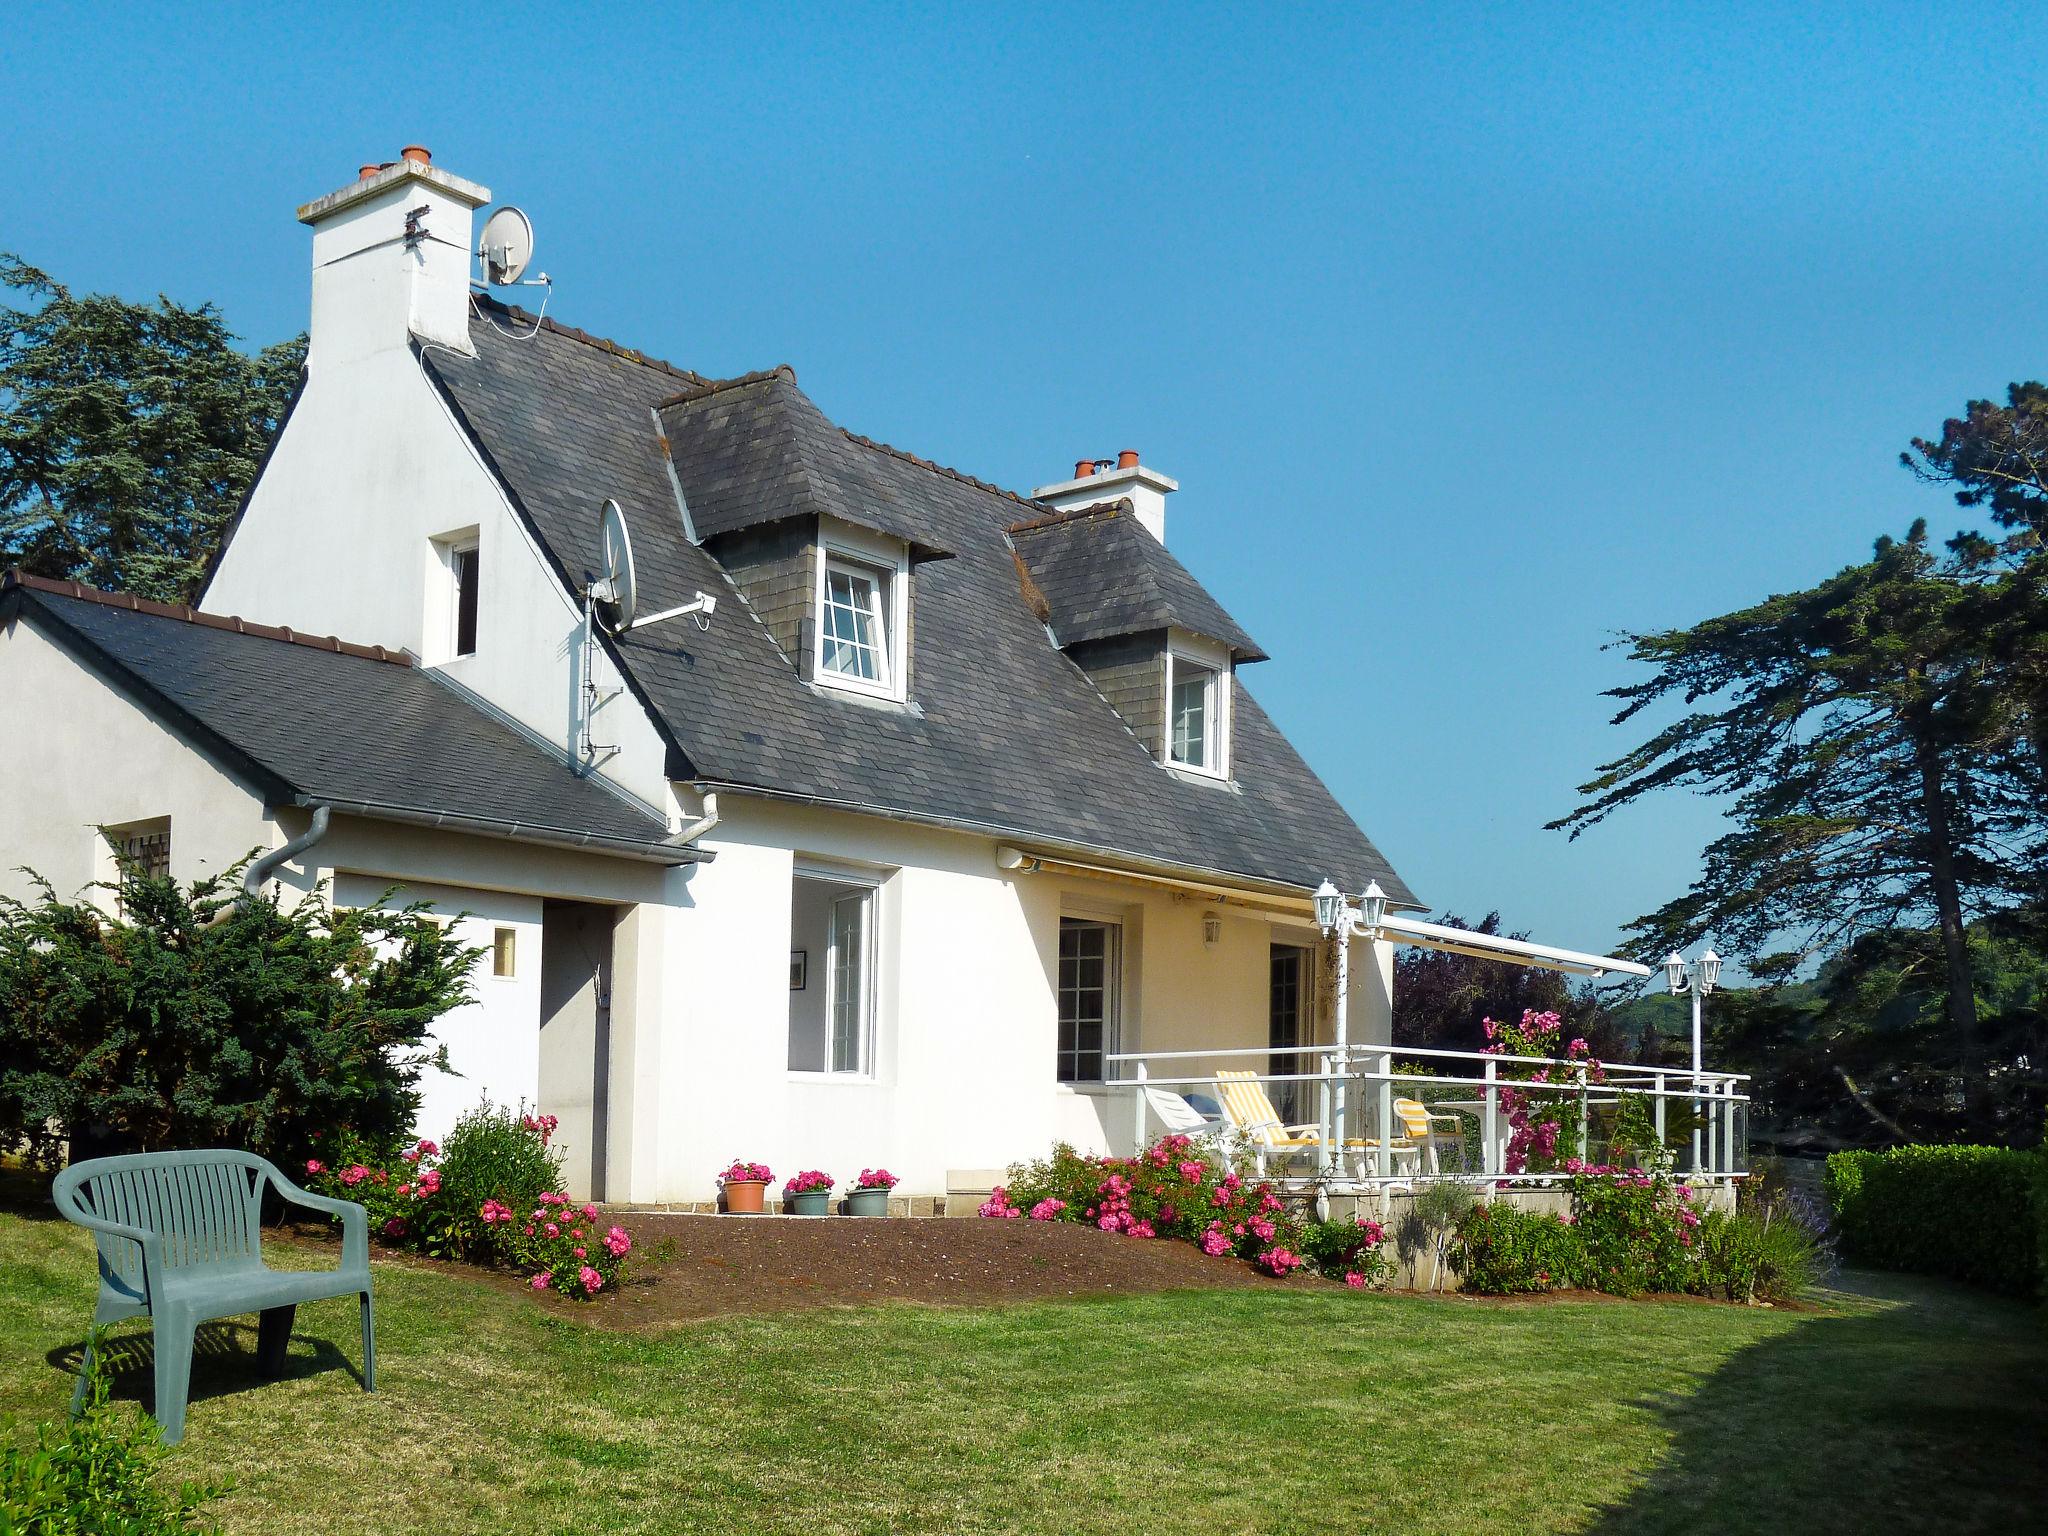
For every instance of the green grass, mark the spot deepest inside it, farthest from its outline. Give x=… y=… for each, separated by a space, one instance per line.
x=1905 y=1406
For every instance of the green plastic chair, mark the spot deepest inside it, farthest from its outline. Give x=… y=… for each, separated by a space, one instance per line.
x=180 y=1239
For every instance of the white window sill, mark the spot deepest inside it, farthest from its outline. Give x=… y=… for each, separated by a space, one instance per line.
x=1190 y=775
x=851 y=1079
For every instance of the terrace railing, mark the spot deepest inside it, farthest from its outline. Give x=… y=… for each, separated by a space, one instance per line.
x=1357 y=1139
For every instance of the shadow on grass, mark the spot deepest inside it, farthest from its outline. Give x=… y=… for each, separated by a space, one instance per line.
x=223 y=1362
x=1909 y=1405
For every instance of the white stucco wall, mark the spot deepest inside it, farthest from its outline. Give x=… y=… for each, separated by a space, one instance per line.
x=493 y=1042
x=339 y=538
x=966 y=1018
x=85 y=756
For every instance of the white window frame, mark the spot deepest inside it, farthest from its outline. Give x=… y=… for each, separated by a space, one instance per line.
x=886 y=563
x=442 y=622
x=1112 y=997
x=870 y=884
x=1189 y=650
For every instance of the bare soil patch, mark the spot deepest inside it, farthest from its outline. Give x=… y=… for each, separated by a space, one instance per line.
x=711 y=1266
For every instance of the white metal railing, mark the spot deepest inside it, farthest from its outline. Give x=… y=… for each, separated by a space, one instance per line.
x=1350 y=1080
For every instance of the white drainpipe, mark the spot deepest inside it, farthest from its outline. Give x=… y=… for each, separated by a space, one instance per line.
x=259 y=870
x=703 y=824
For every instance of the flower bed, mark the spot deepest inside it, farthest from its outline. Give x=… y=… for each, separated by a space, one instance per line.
x=1175 y=1189
x=489 y=1196
x=1632 y=1231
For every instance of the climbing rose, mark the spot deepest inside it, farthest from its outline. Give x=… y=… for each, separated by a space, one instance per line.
x=314 y=1165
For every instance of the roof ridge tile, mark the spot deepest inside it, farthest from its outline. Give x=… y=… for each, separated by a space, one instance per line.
x=1121 y=506
x=15 y=577
x=941 y=469
x=572 y=333
x=714 y=386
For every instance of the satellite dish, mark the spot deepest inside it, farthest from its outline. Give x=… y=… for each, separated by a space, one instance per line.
x=506 y=247
x=618 y=587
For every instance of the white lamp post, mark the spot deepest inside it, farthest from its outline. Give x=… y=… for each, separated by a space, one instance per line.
x=1698 y=979
x=1333 y=916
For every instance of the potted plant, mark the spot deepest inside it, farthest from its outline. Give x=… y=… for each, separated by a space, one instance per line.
x=744 y=1184
x=807 y=1193
x=869 y=1194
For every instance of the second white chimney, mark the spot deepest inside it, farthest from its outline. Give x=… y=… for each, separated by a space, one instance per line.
x=391 y=259
x=1100 y=480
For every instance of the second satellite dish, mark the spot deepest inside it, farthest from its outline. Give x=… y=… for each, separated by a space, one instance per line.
x=618 y=589
x=506 y=247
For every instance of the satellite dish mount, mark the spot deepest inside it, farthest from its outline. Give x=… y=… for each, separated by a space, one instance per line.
x=614 y=596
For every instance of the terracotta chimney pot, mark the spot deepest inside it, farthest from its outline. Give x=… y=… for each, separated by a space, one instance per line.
x=1128 y=459
x=1083 y=468
x=418 y=154
x=365 y=172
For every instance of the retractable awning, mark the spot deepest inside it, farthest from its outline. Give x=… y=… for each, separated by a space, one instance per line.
x=1395 y=927
x=1402 y=929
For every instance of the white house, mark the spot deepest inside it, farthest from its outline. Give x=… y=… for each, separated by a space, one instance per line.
x=947 y=795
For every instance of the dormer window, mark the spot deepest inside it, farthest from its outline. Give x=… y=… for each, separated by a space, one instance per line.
x=1198 y=708
x=862 y=595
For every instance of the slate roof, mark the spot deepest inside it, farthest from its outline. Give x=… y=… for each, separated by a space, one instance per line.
x=1005 y=733
x=315 y=721
x=1103 y=575
x=755 y=450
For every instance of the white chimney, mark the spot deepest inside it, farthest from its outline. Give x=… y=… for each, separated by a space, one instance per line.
x=391 y=259
x=1100 y=480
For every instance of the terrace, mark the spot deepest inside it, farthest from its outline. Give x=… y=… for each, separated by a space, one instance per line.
x=1372 y=1118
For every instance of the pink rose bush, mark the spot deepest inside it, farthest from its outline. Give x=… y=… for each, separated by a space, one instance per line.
x=1543 y=1126
x=490 y=1195
x=1176 y=1190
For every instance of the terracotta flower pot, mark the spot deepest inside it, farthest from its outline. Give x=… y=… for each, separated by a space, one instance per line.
x=809 y=1202
x=867 y=1202
x=743 y=1196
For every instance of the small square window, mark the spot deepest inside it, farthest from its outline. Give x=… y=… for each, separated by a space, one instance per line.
x=504 y=951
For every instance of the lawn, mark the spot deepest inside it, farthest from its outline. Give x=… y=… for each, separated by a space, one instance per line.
x=1895 y=1405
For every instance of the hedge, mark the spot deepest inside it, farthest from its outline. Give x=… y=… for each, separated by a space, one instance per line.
x=1972 y=1213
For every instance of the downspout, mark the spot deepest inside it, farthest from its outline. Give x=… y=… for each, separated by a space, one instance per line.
x=704 y=823
x=259 y=871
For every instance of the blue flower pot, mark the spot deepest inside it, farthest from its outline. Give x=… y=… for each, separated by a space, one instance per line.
x=812 y=1202
x=867 y=1202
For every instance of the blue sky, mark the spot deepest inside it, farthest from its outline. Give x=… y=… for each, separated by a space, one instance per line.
x=1472 y=337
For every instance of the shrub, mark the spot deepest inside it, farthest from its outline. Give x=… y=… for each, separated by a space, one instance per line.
x=476 y=1199
x=97 y=1476
x=1433 y=1221
x=1635 y=1230
x=1348 y=1250
x=203 y=1019
x=1504 y=1250
x=1767 y=1249
x=493 y=1154
x=1971 y=1213
x=1175 y=1188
